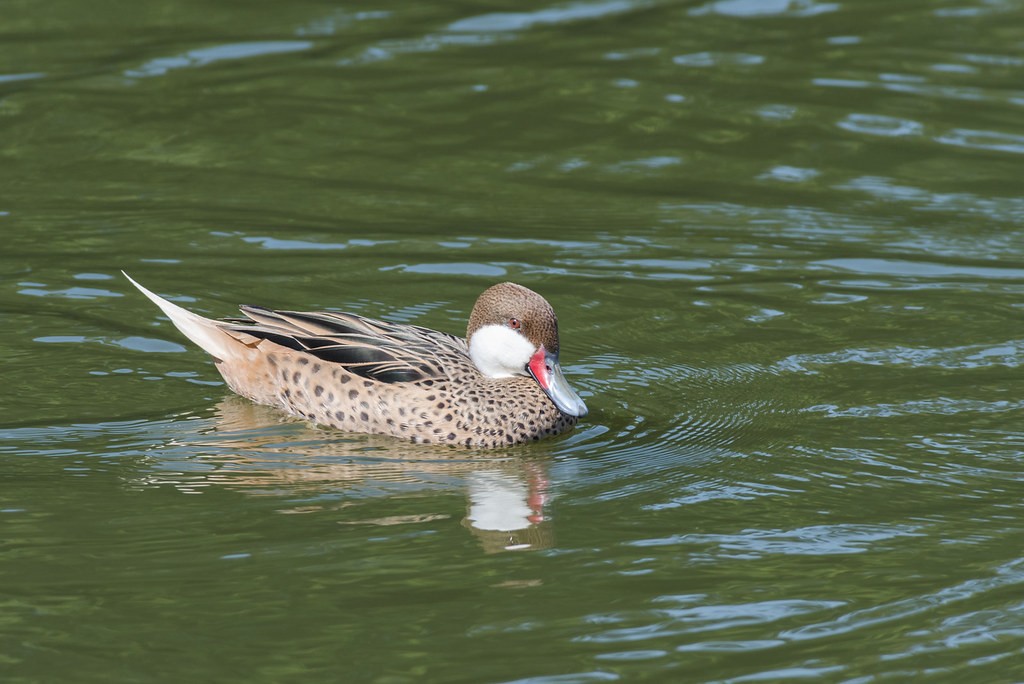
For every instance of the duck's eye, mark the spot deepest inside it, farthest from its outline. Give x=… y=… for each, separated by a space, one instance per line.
x=514 y=323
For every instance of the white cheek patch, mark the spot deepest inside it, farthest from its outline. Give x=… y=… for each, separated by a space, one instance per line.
x=500 y=352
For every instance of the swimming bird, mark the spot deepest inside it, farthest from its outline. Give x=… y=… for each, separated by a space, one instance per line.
x=501 y=385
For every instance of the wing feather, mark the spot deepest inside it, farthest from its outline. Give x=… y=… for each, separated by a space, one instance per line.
x=372 y=349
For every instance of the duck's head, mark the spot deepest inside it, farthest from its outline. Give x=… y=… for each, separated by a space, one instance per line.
x=514 y=331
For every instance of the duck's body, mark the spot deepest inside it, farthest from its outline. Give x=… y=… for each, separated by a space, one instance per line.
x=357 y=374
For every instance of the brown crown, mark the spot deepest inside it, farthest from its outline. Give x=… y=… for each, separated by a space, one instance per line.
x=505 y=301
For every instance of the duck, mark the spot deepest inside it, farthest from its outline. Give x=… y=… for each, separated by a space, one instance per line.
x=500 y=386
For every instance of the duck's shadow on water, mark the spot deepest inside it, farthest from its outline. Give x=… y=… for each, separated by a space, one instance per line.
x=258 y=450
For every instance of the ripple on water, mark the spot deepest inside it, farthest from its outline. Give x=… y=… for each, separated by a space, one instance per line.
x=1008 y=575
x=765 y=8
x=815 y=540
x=718 y=59
x=268 y=242
x=451 y=268
x=789 y=174
x=134 y=343
x=984 y=140
x=519 y=21
x=10 y=78
x=942 y=406
x=696 y=614
x=574 y=678
x=919 y=269
x=874 y=124
x=1007 y=354
x=488 y=29
x=218 y=53
x=76 y=292
x=993 y=207
x=671 y=420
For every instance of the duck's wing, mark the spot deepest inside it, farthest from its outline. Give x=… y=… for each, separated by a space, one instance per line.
x=373 y=349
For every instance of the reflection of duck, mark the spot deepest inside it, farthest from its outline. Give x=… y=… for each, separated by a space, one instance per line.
x=500 y=386
x=506 y=512
x=256 y=449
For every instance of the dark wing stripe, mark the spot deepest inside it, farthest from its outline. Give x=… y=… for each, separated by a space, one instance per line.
x=348 y=355
x=283 y=340
x=397 y=376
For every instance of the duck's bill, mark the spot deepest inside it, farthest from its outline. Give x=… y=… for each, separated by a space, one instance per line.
x=545 y=370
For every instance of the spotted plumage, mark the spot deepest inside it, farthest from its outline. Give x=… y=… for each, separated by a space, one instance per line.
x=500 y=386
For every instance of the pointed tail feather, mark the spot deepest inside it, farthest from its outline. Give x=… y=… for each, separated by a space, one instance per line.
x=203 y=331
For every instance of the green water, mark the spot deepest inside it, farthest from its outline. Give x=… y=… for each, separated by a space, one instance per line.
x=783 y=240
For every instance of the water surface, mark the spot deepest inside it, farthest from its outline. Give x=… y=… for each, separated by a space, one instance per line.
x=783 y=242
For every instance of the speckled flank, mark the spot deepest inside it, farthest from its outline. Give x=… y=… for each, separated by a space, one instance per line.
x=469 y=412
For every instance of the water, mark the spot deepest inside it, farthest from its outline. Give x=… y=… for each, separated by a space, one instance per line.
x=783 y=242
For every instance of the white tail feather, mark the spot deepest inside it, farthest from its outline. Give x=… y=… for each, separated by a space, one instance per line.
x=202 y=331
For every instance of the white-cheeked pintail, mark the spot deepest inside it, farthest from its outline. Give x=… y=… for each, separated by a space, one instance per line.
x=500 y=386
